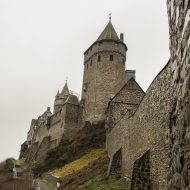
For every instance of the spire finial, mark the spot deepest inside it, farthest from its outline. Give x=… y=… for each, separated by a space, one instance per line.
x=110 y=16
x=66 y=79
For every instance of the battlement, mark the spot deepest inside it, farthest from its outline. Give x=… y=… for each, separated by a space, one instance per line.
x=105 y=46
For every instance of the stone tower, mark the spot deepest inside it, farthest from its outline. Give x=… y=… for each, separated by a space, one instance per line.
x=60 y=98
x=104 y=73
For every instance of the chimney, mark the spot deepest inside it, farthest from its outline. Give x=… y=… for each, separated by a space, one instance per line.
x=122 y=37
x=129 y=74
x=48 y=108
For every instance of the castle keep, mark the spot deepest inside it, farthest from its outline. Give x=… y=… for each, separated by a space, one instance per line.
x=104 y=73
x=147 y=134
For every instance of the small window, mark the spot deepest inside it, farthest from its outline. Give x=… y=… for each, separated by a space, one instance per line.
x=99 y=58
x=91 y=63
x=111 y=57
x=123 y=61
x=183 y=4
x=87 y=65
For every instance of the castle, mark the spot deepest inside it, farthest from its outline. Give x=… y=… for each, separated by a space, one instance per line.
x=104 y=75
x=147 y=134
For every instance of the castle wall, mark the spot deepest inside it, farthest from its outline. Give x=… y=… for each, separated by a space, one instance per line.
x=58 y=104
x=146 y=130
x=42 y=150
x=102 y=79
x=73 y=113
x=141 y=173
x=56 y=128
x=31 y=153
x=179 y=22
x=50 y=132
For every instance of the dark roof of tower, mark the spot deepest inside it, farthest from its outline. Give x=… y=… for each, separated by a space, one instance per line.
x=58 y=94
x=108 y=33
x=65 y=90
x=72 y=99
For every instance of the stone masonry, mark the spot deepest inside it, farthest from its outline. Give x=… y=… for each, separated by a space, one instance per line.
x=46 y=132
x=147 y=129
x=141 y=173
x=104 y=73
x=161 y=122
x=179 y=133
x=148 y=135
x=125 y=102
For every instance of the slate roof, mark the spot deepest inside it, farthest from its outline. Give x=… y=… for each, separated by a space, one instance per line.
x=72 y=99
x=65 y=90
x=108 y=33
x=58 y=94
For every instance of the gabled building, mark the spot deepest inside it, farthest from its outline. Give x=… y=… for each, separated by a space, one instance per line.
x=124 y=103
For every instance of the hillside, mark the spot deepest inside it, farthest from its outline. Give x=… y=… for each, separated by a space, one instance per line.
x=81 y=162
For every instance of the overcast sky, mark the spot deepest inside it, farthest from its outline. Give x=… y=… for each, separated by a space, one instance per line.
x=42 y=43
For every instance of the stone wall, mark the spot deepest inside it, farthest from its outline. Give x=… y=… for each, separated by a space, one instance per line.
x=31 y=153
x=179 y=133
x=73 y=113
x=49 y=133
x=124 y=103
x=115 y=164
x=141 y=173
x=102 y=79
x=54 y=129
x=42 y=150
x=146 y=130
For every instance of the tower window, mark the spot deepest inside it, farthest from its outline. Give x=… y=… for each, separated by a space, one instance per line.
x=87 y=65
x=99 y=43
x=99 y=58
x=111 y=57
x=91 y=63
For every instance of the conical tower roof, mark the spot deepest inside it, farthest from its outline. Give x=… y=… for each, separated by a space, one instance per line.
x=108 y=33
x=65 y=90
x=72 y=99
x=58 y=94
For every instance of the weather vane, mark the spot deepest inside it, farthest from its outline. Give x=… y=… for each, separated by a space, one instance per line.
x=66 y=79
x=110 y=16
